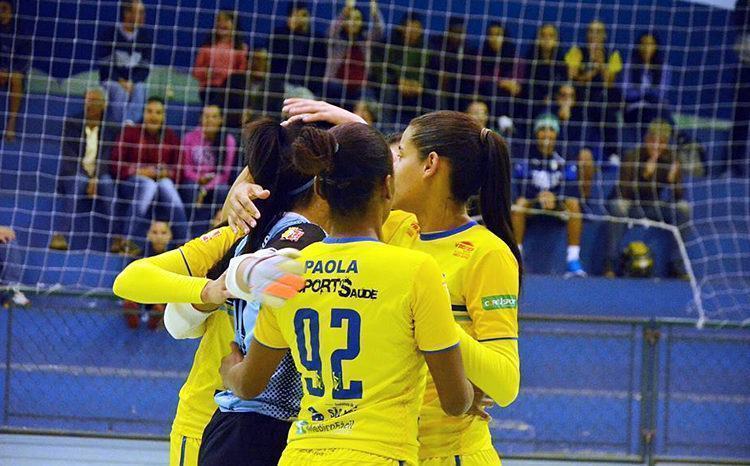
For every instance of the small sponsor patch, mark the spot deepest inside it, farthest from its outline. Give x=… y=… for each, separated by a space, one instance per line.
x=464 y=249
x=505 y=301
x=211 y=235
x=293 y=234
x=413 y=230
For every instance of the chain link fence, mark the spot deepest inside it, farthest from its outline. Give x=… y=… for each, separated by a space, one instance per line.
x=592 y=389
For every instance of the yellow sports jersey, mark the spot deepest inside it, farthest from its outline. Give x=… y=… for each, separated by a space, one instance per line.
x=197 y=405
x=400 y=229
x=356 y=332
x=178 y=276
x=482 y=277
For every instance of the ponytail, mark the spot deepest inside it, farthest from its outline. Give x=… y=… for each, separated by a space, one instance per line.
x=494 y=194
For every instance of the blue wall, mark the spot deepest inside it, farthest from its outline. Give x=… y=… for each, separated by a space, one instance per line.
x=695 y=34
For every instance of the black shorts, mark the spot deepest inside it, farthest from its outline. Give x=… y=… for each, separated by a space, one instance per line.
x=243 y=439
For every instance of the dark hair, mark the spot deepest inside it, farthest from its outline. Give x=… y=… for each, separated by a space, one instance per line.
x=639 y=67
x=125 y=5
x=236 y=39
x=394 y=138
x=504 y=58
x=480 y=164
x=269 y=151
x=350 y=162
x=155 y=98
x=297 y=5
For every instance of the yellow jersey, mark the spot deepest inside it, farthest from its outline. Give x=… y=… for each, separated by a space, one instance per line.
x=178 y=276
x=482 y=277
x=400 y=229
x=356 y=333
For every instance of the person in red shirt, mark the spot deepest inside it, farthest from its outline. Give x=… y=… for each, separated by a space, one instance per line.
x=145 y=163
x=224 y=55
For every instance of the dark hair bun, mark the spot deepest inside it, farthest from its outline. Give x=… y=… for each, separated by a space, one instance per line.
x=313 y=151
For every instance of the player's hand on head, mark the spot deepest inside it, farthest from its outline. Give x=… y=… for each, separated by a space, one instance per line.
x=268 y=276
x=242 y=214
x=311 y=111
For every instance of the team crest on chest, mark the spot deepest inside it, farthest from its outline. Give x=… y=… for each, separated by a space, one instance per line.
x=293 y=234
x=464 y=249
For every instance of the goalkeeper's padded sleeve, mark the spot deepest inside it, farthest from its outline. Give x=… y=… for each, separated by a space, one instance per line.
x=493 y=366
x=182 y=321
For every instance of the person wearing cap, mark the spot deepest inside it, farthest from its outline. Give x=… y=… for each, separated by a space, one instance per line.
x=646 y=173
x=549 y=182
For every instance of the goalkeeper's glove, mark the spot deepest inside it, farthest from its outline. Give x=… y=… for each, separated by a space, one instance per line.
x=270 y=276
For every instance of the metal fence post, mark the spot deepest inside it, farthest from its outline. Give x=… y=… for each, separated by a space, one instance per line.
x=649 y=390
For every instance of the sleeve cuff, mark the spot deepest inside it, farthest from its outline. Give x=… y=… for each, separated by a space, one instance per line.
x=270 y=346
x=448 y=348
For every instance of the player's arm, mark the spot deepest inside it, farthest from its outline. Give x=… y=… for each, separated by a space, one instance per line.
x=248 y=376
x=176 y=276
x=436 y=336
x=491 y=360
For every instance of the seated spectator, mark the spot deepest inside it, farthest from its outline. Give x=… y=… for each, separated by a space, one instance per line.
x=208 y=158
x=145 y=161
x=647 y=175
x=549 y=182
x=157 y=241
x=253 y=94
x=84 y=169
x=498 y=71
x=544 y=68
x=10 y=269
x=15 y=56
x=579 y=140
x=366 y=109
x=408 y=90
x=595 y=69
x=480 y=112
x=646 y=81
x=297 y=53
x=349 y=52
x=453 y=61
x=124 y=53
x=223 y=55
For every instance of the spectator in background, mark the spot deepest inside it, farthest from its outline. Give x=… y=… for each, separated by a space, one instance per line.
x=595 y=69
x=15 y=55
x=208 y=158
x=646 y=81
x=544 y=68
x=366 y=109
x=409 y=90
x=454 y=63
x=577 y=141
x=124 y=54
x=145 y=161
x=349 y=49
x=739 y=156
x=10 y=269
x=498 y=71
x=157 y=241
x=647 y=173
x=297 y=54
x=254 y=94
x=223 y=55
x=84 y=169
x=480 y=112
x=549 y=182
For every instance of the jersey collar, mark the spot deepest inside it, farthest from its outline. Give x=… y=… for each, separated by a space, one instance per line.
x=348 y=239
x=446 y=233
